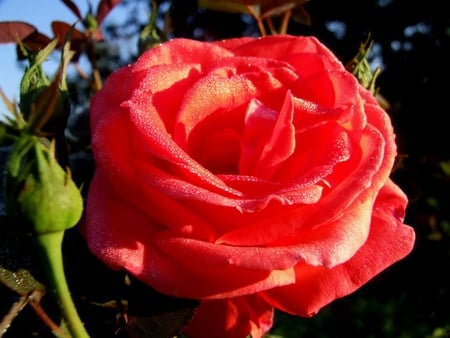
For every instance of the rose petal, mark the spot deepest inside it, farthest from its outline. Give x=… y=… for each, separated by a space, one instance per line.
x=157 y=145
x=389 y=241
x=326 y=245
x=180 y=51
x=356 y=189
x=282 y=47
x=268 y=139
x=231 y=318
x=158 y=83
x=217 y=90
x=115 y=233
x=316 y=156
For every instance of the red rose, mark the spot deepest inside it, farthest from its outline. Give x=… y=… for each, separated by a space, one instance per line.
x=247 y=173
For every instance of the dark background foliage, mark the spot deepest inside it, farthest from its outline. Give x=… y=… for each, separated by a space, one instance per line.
x=411 y=44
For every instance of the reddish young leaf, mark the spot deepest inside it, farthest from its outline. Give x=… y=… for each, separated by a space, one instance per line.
x=73 y=8
x=15 y=31
x=33 y=42
x=63 y=31
x=276 y=7
x=104 y=7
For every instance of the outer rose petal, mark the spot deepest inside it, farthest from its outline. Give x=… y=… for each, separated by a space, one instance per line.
x=389 y=241
x=129 y=239
x=231 y=318
x=181 y=51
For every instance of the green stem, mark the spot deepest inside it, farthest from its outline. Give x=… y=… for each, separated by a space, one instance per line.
x=50 y=245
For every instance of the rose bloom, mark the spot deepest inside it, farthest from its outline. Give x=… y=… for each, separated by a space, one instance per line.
x=250 y=174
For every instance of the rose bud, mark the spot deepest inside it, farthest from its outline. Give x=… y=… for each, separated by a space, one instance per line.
x=39 y=190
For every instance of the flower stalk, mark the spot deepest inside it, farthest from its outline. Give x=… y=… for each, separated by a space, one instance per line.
x=50 y=247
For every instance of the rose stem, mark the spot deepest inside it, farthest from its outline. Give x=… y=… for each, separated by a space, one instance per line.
x=13 y=312
x=259 y=21
x=50 y=245
x=34 y=301
x=285 y=22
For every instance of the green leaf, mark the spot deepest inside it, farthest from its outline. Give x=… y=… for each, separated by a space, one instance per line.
x=20 y=281
x=34 y=79
x=44 y=103
x=359 y=66
x=13 y=123
x=66 y=57
x=7 y=102
x=151 y=35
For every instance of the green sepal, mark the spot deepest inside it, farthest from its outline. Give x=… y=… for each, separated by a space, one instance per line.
x=359 y=66
x=90 y=22
x=34 y=79
x=151 y=36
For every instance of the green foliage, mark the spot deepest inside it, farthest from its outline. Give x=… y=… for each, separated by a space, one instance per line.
x=34 y=79
x=38 y=189
x=151 y=35
x=360 y=67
